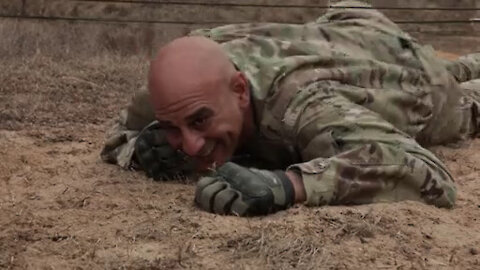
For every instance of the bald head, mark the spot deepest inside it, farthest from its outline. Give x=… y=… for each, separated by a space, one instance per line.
x=200 y=100
x=187 y=63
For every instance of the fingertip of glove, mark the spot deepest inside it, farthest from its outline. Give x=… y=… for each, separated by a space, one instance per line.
x=202 y=183
x=206 y=197
x=224 y=200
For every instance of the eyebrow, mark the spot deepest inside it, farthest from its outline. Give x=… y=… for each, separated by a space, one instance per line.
x=200 y=113
x=164 y=123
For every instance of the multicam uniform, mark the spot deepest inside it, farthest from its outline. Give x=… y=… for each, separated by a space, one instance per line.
x=347 y=101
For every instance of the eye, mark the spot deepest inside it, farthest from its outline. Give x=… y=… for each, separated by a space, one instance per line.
x=199 y=122
x=170 y=129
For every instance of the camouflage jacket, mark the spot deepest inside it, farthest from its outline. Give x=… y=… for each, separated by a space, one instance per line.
x=346 y=100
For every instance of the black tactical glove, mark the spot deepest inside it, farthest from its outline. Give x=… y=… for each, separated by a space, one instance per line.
x=237 y=190
x=157 y=158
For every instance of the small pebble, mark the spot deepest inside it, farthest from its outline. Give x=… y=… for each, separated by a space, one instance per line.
x=473 y=251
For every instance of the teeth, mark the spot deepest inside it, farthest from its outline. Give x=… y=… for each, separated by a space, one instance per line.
x=207 y=150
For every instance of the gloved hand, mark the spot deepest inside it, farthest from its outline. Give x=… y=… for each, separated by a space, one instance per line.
x=157 y=158
x=237 y=190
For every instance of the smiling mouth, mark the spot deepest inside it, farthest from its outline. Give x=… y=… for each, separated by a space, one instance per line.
x=207 y=150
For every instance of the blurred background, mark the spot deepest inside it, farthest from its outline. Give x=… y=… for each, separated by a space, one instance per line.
x=136 y=27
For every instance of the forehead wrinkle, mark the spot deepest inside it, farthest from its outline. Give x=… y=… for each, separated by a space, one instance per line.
x=202 y=111
x=186 y=73
x=205 y=92
x=182 y=104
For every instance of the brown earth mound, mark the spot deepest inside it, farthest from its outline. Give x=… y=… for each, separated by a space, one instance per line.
x=62 y=208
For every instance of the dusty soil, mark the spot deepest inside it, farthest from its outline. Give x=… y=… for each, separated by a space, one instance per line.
x=62 y=208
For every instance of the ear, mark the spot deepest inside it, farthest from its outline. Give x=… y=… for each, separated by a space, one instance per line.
x=241 y=88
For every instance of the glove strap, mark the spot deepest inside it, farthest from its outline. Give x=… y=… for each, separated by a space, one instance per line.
x=287 y=187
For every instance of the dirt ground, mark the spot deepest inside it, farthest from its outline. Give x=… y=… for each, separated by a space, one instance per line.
x=61 y=207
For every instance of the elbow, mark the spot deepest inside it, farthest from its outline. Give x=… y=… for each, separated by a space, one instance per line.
x=441 y=193
x=450 y=198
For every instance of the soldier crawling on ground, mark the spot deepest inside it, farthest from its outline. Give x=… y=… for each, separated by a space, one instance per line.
x=335 y=111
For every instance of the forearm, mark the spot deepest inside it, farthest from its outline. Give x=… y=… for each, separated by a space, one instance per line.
x=119 y=144
x=121 y=137
x=376 y=173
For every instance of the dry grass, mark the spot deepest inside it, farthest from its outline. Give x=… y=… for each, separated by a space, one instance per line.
x=44 y=91
x=60 y=39
x=61 y=207
x=66 y=40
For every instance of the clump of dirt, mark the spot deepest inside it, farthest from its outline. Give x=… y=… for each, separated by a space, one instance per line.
x=61 y=207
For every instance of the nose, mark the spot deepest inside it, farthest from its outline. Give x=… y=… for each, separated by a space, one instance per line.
x=192 y=142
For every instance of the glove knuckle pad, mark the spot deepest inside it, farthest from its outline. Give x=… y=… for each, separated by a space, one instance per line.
x=157 y=158
x=224 y=200
x=205 y=197
x=204 y=182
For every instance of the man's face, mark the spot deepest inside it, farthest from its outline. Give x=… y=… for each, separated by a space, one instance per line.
x=204 y=121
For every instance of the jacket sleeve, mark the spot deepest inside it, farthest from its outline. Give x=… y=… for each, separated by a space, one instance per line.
x=466 y=68
x=120 y=138
x=354 y=156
